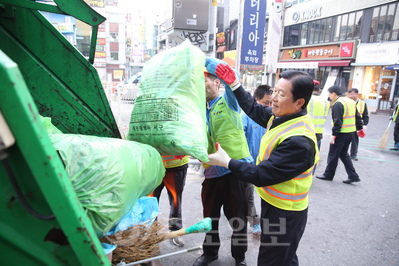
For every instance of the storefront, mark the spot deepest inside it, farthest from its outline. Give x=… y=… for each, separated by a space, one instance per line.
x=329 y=64
x=376 y=81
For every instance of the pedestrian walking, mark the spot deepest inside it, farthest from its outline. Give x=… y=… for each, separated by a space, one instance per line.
x=219 y=188
x=364 y=114
x=254 y=133
x=174 y=181
x=346 y=120
x=287 y=156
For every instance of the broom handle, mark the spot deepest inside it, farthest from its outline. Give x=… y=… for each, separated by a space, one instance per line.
x=390 y=121
x=161 y=256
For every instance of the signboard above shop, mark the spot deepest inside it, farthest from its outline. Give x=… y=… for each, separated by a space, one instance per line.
x=334 y=51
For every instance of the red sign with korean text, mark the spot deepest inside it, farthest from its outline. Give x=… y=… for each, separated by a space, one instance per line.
x=346 y=49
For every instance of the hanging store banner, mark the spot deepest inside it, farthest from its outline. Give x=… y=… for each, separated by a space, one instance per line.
x=253 y=32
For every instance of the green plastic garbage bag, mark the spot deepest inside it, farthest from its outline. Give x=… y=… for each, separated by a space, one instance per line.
x=108 y=174
x=170 y=110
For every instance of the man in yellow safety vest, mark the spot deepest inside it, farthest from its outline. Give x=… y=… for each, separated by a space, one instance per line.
x=364 y=114
x=284 y=169
x=346 y=120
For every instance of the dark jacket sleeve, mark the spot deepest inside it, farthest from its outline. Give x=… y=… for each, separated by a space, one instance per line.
x=291 y=158
x=359 y=121
x=257 y=112
x=365 y=115
x=337 y=113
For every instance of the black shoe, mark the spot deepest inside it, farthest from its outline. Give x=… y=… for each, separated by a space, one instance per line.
x=350 y=181
x=241 y=263
x=354 y=158
x=322 y=177
x=204 y=260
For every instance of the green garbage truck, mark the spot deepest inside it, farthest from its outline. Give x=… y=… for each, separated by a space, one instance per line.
x=42 y=221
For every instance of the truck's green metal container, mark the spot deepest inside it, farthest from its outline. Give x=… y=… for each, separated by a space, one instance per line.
x=42 y=73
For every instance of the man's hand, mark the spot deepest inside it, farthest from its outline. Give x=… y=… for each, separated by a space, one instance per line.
x=364 y=127
x=332 y=140
x=361 y=133
x=227 y=74
x=220 y=158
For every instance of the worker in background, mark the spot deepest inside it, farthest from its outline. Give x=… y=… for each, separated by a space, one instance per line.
x=318 y=110
x=254 y=133
x=364 y=114
x=346 y=120
x=219 y=187
x=395 y=119
x=283 y=172
x=174 y=181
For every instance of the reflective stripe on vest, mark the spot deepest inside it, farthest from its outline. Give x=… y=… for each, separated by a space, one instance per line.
x=171 y=161
x=292 y=194
x=360 y=107
x=349 y=118
x=318 y=111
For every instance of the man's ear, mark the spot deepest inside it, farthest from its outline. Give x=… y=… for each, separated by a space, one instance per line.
x=299 y=103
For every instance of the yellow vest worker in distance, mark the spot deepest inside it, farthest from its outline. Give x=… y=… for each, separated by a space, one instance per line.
x=395 y=119
x=174 y=181
x=364 y=114
x=346 y=119
x=283 y=174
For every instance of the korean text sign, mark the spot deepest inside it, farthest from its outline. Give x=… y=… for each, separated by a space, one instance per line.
x=253 y=32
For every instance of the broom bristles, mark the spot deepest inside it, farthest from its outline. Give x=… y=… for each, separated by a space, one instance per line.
x=384 y=140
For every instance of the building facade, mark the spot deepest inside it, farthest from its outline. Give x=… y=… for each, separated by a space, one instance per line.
x=347 y=43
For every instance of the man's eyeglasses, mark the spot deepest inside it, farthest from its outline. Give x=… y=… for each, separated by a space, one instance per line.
x=279 y=94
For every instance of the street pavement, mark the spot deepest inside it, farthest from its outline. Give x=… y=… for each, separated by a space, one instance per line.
x=355 y=224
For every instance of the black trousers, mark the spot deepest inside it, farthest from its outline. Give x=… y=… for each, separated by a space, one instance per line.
x=339 y=150
x=174 y=181
x=281 y=232
x=396 y=131
x=232 y=194
x=354 y=145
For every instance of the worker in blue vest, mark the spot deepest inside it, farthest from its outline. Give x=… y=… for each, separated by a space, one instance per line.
x=364 y=114
x=254 y=133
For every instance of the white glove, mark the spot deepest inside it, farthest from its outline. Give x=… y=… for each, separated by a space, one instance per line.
x=364 y=127
x=220 y=158
x=332 y=140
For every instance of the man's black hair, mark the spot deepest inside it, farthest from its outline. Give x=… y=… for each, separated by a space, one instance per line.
x=316 y=87
x=302 y=85
x=354 y=90
x=211 y=76
x=261 y=91
x=335 y=89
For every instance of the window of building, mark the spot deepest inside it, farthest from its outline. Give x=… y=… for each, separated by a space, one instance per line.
x=358 y=26
x=389 y=22
x=351 y=24
x=115 y=56
x=83 y=37
x=337 y=28
x=374 y=25
x=329 y=23
x=322 y=30
x=317 y=30
x=344 y=27
x=381 y=23
x=395 y=27
x=311 y=32
x=304 y=33
x=371 y=80
x=113 y=37
x=291 y=35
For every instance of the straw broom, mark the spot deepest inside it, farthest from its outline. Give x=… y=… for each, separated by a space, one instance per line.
x=384 y=140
